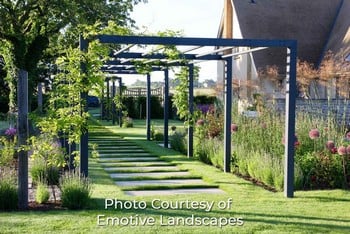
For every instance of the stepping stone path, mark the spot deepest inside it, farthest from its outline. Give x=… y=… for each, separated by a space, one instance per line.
x=140 y=173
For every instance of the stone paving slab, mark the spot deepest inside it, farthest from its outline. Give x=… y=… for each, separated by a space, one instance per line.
x=116 y=147
x=141 y=169
x=106 y=150
x=110 y=140
x=129 y=159
x=134 y=164
x=173 y=192
x=160 y=182
x=132 y=155
x=149 y=174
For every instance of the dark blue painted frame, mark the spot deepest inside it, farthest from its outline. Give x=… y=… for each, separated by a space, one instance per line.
x=291 y=88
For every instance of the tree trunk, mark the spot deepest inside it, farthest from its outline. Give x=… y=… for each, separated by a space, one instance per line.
x=22 y=125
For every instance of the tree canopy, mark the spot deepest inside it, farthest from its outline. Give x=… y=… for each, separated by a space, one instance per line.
x=29 y=24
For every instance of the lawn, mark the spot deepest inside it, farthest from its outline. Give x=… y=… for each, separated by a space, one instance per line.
x=262 y=211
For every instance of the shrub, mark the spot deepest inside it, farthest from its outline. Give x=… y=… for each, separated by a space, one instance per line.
x=210 y=151
x=178 y=141
x=8 y=192
x=7 y=151
x=158 y=136
x=40 y=171
x=42 y=194
x=127 y=122
x=75 y=191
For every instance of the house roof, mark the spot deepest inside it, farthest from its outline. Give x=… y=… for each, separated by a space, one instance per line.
x=317 y=25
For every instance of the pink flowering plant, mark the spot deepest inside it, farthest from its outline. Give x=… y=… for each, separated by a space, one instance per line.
x=322 y=148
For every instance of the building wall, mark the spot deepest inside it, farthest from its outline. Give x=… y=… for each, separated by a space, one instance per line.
x=311 y=23
x=339 y=40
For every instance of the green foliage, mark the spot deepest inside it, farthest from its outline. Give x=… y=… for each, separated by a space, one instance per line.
x=29 y=25
x=156 y=134
x=127 y=122
x=7 y=151
x=46 y=148
x=75 y=191
x=93 y=150
x=178 y=141
x=180 y=99
x=136 y=106
x=42 y=193
x=209 y=151
x=203 y=99
x=258 y=148
x=41 y=172
x=66 y=113
x=8 y=191
x=6 y=50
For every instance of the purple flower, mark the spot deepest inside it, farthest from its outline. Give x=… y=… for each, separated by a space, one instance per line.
x=11 y=132
x=314 y=134
x=204 y=108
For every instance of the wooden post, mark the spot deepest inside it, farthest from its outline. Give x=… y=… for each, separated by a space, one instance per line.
x=228 y=19
x=22 y=129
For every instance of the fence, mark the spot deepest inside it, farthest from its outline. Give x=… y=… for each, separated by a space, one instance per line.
x=142 y=92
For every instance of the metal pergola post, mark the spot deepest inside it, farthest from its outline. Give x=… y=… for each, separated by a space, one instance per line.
x=113 y=104
x=107 y=108
x=228 y=117
x=148 y=107
x=190 y=105
x=290 y=121
x=84 y=138
x=101 y=104
x=166 y=108
x=120 y=95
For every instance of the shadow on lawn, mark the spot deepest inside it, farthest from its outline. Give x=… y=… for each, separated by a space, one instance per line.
x=328 y=199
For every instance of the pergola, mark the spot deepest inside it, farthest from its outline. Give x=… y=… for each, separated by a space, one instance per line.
x=123 y=62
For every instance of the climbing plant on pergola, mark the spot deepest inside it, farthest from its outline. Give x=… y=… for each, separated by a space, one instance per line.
x=123 y=63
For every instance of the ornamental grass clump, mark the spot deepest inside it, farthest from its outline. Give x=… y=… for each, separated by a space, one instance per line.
x=178 y=141
x=42 y=194
x=8 y=191
x=75 y=191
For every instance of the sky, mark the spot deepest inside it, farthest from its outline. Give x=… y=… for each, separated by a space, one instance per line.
x=195 y=18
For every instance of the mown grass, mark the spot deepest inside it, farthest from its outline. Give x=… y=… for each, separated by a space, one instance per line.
x=324 y=211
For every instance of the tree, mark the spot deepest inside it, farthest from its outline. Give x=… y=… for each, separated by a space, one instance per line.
x=31 y=26
x=27 y=27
